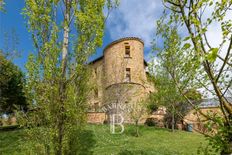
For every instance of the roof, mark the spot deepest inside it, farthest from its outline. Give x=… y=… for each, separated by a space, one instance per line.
x=117 y=41
x=101 y=57
x=95 y=60
x=212 y=102
x=123 y=39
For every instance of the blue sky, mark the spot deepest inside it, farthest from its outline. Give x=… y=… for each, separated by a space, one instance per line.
x=131 y=18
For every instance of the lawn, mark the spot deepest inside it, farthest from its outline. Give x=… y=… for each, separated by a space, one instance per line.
x=98 y=140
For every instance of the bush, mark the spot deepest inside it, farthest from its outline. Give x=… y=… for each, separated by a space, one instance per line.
x=152 y=107
x=105 y=121
x=151 y=122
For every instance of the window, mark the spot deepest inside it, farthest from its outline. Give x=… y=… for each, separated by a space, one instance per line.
x=95 y=72
x=96 y=93
x=128 y=75
x=96 y=106
x=127 y=51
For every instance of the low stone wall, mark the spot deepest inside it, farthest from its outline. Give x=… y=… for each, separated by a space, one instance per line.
x=8 y=121
x=198 y=121
x=159 y=119
x=96 y=117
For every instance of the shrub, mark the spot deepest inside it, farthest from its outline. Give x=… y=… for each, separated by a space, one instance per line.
x=151 y=122
x=105 y=121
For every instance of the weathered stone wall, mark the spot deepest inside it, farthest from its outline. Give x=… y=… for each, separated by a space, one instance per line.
x=97 y=83
x=198 y=120
x=8 y=121
x=125 y=95
x=96 y=117
x=109 y=74
x=117 y=90
x=115 y=62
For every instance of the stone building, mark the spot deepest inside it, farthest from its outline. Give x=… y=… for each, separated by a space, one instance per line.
x=119 y=79
x=207 y=107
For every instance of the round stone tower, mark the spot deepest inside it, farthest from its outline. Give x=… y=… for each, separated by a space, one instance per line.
x=124 y=62
x=124 y=72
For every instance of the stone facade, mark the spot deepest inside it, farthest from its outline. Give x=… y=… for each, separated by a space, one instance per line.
x=119 y=76
x=198 y=121
x=96 y=117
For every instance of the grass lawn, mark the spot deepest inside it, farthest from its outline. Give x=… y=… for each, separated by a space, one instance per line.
x=98 y=140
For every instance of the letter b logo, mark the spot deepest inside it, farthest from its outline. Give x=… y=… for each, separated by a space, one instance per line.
x=113 y=123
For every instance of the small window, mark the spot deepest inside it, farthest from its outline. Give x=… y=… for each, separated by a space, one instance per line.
x=96 y=93
x=127 y=51
x=95 y=72
x=96 y=106
x=128 y=75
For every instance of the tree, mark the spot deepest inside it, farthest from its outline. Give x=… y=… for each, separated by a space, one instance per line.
x=137 y=111
x=12 y=81
x=166 y=96
x=213 y=69
x=65 y=33
x=169 y=69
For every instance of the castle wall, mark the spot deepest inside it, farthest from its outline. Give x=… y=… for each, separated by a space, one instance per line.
x=97 y=83
x=96 y=117
x=111 y=80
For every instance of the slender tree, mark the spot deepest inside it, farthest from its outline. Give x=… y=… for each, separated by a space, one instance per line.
x=65 y=33
x=137 y=111
x=212 y=63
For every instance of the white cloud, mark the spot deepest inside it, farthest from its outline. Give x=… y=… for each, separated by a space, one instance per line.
x=135 y=18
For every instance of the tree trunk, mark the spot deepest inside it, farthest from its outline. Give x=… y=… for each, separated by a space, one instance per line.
x=137 y=128
x=62 y=90
x=173 y=118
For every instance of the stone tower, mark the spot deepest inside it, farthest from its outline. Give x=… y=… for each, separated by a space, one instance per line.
x=124 y=57
x=120 y=76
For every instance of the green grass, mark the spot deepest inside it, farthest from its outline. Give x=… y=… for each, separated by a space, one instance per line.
x=152 y=141
x=10 y=141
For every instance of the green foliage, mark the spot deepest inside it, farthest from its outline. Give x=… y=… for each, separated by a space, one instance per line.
x=137 y=111
x=151 y=106
x=220 y=140
x=186 y=46
x=193 y=95
x=211 y=63
x=57 y=75
x=212 y=55
x=173 y=73
x=81 y=142
x=12 y=81
x=151 y=122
